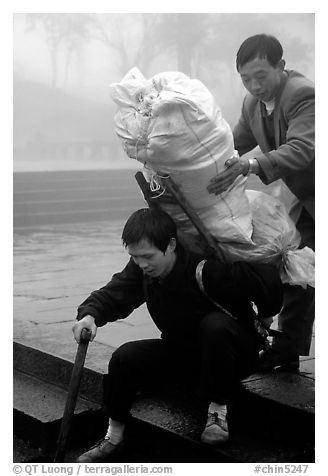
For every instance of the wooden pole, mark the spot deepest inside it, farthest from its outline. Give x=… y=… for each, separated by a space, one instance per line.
x=144 y=186
x=73 y=389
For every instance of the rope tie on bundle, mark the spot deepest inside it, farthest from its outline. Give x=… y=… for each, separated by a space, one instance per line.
x=155 y=183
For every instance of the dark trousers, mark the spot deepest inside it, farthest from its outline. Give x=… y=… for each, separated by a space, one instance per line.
x=297 y=314
x=223 y=353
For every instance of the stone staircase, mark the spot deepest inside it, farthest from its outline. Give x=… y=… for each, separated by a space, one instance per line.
x=271 y=420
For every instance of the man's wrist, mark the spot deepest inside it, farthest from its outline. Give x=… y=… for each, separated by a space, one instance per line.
x=254 y=167
x=244 y=166
x=89 y=317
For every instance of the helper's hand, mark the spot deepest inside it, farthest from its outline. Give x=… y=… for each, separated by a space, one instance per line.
x=235 y=166
x=88 y=322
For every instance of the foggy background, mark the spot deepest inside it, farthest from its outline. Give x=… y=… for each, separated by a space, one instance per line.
x=64 y=63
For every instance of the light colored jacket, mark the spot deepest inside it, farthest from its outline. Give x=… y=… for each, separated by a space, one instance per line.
x=294 y=125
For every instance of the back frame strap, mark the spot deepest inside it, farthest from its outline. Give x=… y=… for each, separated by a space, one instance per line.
x=199 y=279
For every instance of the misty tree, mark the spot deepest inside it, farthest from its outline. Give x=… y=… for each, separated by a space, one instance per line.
x=63 y=31
x=301 y=53
x=138 y=39
x=228 y=31
x=217 y=51
x=182 y=34
x=149 y=48
x=109 y=29
x=129 y=38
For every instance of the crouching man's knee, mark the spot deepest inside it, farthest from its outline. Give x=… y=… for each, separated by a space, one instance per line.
x=123 y=355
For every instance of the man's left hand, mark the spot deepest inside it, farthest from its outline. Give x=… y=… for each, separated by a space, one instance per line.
x=235 y=167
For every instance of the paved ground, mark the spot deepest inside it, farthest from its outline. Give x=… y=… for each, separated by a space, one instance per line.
x=55 y=269
x=67 y=227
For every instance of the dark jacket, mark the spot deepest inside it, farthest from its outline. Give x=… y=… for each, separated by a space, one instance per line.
x=294 y=123
x=176 y=303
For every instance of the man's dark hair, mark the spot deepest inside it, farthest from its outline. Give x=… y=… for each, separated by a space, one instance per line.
x=259 y=46
x=153 y=225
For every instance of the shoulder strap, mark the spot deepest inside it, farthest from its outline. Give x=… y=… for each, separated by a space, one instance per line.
x=199 y=279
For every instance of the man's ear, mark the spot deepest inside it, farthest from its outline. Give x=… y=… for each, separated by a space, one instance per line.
x=281 y=64
x=172 y=244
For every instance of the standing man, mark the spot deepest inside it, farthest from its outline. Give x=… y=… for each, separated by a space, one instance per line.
x=278 y=116
x=204 y=311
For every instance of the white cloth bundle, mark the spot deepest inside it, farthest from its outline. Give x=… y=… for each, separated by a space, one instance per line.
x=171 y=124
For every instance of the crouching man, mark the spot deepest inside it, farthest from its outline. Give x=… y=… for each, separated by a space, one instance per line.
x=204 y=311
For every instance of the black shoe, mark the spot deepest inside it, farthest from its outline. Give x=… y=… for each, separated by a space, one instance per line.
x=272 y=359
x=101 y=451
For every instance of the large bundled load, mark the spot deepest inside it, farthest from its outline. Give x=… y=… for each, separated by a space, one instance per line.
x=171 y=124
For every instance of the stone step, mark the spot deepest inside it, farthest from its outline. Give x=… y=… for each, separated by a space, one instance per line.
x=172 y=445
x=260 y=430
x=38 y=410
x=264 y=426
x=23 y=451
x=147 y=440
x=55 y=370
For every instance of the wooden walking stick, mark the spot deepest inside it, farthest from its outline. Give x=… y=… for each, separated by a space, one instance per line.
x=73 y=389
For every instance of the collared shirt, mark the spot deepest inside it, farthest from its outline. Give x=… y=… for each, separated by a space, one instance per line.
x=268 y=121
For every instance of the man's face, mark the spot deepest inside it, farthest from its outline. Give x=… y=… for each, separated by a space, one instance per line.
x=261 y=79
x=151 y=260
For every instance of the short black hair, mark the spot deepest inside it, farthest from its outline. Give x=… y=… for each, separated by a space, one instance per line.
x=259 y=46
x=152 y=224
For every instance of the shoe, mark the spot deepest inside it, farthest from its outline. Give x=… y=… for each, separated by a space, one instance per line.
x=100 y=452
x=272 y=359
x=216 y=431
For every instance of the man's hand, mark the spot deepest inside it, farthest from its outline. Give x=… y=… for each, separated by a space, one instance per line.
x=235 y=166
x=88 y=322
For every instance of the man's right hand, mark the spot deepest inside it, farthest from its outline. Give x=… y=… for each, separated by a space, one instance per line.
x=87 y=322
x=235 y=166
